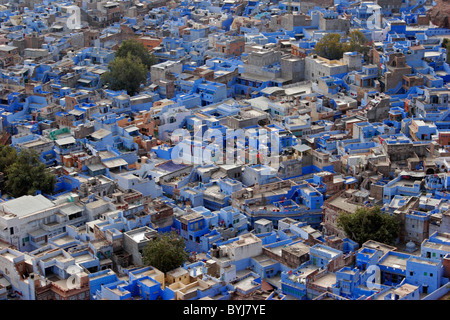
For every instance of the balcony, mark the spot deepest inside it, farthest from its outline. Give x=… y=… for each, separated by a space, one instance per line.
x=52 y=226
x=76 y=220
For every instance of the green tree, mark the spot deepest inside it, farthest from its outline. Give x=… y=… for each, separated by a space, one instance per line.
x=137 y=50
x=166 y=252
x=369 y=224
x=330 y=46
x=357 y=42
x=125 y=73
x=28 y=174
x=130 y=67
x=446 y=45
x=8 y=155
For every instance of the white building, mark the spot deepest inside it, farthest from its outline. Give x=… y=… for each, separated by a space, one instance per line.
x=141 y=180
x=172 y=117
x=233 y=257
x=28 y=221
x=317 y=67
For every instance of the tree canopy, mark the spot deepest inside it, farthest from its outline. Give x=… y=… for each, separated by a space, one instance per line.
x=356 y=42
x=126 y=73
x=129 y=69
x=8 y=155
x=24 y=172
x=331 y=47
x=137 y=50
x=166 y=252
x=369 y=224
x=446 y=45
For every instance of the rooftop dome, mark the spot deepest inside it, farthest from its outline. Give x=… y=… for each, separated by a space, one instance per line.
x=411 y=245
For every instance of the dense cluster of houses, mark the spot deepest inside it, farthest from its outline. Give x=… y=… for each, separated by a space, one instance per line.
x=243 y=141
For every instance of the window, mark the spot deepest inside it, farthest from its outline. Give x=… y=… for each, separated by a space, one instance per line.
x=431 y=274
x=394 y=278
x=39 y=239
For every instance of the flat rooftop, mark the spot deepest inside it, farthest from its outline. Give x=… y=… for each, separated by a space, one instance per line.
x=59 y=257
x=35 y=143
x=326 y=250
x=83 y=258
x=245 y=239
x=424 y=261
x=326 y=281
x=147 y=272
x=100 y=275
x=304 y=271
x=344 y=204
x=436 y=246
x=26 y=205
x=178 y=272
x=140 y=235
x=378 y=246
x=7 y=255
x=246 y=284
x=96 y=204
x=63 y=240
x=297 y=248
x=393 y=261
